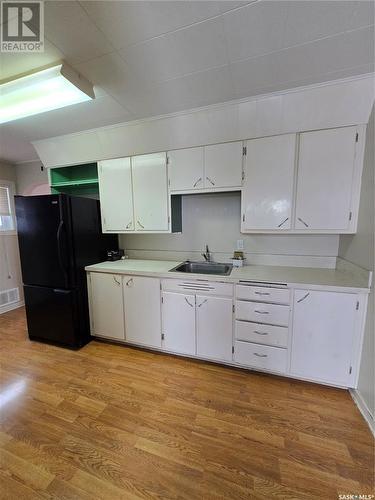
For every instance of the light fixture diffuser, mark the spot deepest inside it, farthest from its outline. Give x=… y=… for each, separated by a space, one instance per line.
x=42 y=91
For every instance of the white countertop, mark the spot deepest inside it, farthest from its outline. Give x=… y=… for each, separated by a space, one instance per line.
x=312 y=278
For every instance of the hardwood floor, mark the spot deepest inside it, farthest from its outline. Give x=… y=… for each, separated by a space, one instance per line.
x=111 y=422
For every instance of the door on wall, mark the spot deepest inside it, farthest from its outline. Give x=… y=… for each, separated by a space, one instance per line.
x=267 y=194
x=116 y=195
x=325 y=175
x=150 y=190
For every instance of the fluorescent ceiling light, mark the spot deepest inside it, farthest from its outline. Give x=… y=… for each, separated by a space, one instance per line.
x=45 y=90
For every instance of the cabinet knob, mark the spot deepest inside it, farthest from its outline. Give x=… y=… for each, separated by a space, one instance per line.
x=197 y=182
x=116 y=280
x=283 y=222
x=129 y=282
x=303 y=298
x=211 y=181
x=141 y=225
x=191 y=305
x=303 y=222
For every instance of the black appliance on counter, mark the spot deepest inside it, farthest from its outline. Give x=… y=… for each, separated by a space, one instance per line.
x=58 y=236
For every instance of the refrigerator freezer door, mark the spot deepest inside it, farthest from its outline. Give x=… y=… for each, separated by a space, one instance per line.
x=51 y=314
x=43 y=224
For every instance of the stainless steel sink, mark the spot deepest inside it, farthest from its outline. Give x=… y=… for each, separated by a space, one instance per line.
x=203 y=268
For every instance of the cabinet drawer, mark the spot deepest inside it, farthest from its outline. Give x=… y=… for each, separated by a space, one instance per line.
x=261 y=334
x=262 y=313
x=200 y=287
x=261 y=356
x=263 y=294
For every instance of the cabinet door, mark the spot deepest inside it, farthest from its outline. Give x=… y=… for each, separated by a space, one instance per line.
x=223 y=165
x=325 y=174
x=116 y=198
x=178 y=322
x=142 y=310
x=185 y=168
x=214 y=327
x=150 y=191
x=106 y=305
x=323 y=333
x=267 y=194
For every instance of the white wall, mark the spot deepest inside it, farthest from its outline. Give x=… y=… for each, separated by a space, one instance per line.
x=332 y=104
x=10 y=267
x=215 y=219
x=359 y=249
x=31 y=180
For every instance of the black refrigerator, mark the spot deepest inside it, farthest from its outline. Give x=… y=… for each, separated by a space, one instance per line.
x=58 y=236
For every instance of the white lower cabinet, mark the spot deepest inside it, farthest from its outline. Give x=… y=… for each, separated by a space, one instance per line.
x=106 y=305
x=178 y=325
x=142 y=310
x=324 y=328
x=214 y=327
x=321 y=343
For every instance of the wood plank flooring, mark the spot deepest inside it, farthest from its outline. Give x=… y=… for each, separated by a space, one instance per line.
x=111 y=422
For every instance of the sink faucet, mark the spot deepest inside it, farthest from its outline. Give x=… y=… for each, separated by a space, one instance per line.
x=207 y=254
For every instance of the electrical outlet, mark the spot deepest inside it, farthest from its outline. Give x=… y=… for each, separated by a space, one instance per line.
x=239 y=244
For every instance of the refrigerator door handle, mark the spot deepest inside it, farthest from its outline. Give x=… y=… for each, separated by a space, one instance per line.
x=59 y=251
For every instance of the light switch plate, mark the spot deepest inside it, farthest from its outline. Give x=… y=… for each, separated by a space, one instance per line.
x=239 y=244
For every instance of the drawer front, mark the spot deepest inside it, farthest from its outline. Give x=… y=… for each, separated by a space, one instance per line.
x=263 y=294
x=262 y=334
x=262 y=313
x=191 y=286
x=261 y=356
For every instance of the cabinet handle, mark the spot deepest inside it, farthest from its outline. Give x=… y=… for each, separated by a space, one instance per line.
x=197 y=182
x=201 y=304
x=283 y=222
x=129 y=224
x=142 y=226
x=116 y=281
x=260 y=333
x=129 y=281
x=191 y=305
x=303 y=222
x=303 y=298
x=262 y=312
x=260 y=355
x=211 y=181
x=262 y=293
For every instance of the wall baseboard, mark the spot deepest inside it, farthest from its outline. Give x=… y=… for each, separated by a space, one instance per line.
x=10 y=307
x=361 y=405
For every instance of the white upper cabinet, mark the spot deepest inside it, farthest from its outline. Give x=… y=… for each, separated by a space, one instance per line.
x=150 y=192
x=214 y=327
x=326 y=182
x=116 y=195
x=324 y=336
x=185 y=168
x=223 y=165
x=106 y=307
x=207 y=168
x=142 y=310
x=267 y=195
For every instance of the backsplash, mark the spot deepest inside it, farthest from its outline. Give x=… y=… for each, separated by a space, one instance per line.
x=214 y=219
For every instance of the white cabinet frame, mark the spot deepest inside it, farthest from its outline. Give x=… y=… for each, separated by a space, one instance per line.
x=355 y=191
x=203 y=158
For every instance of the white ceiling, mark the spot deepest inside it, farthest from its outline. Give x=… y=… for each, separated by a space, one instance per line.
x=151 y=58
